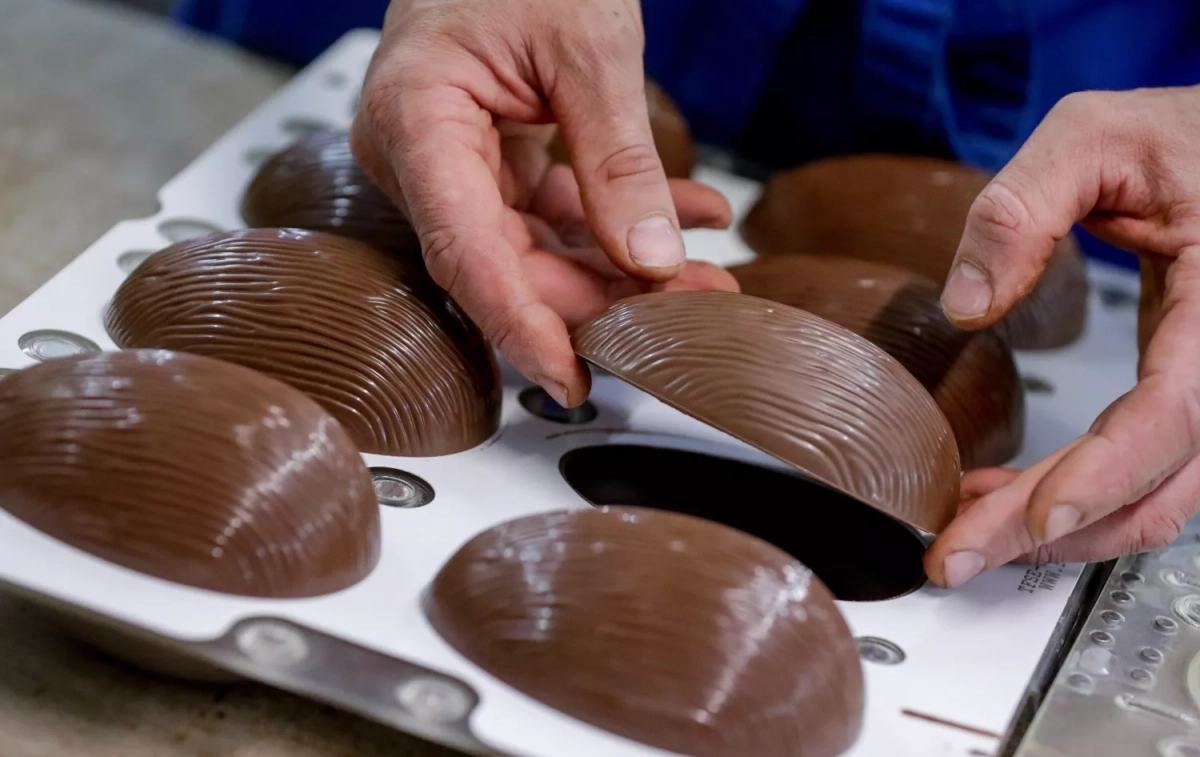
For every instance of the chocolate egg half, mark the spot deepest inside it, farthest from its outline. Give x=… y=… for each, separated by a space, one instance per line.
x=670 y=630
x=188 y=469
x=672 y=136
x=809 y=392
x=366 y=334
x=316 y=184
x=971 y=374
x=911 y=212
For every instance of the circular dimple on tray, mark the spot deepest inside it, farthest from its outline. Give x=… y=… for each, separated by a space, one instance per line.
x=256 y=156
x=52 y=344
x=184 y=229
x=1150 y=656
x=1187 y=609
x=301 y=128
x=434 y=700
x=1121 y=597
x=880 y=651
x=539 y=403
x=129 y=261
x=367 y=334
x=1131 y=578
x=164 y=448
x=1141 y=675
x=1165 y=625
x=273 y=644
x=1115 y=297
x=335 y=79
x=578 y=609
x=1036 y=384
x=1112 y=618
x=1102 y=638
x=1081 y=683
x=397 y=488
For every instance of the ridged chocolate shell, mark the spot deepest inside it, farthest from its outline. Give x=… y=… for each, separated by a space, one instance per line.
x=809 y=392
x=670 y=630
x=971 y=374
x=672 y=135
x=188 y=469
x=909 y=211
x=316 y=184
x=366 y=334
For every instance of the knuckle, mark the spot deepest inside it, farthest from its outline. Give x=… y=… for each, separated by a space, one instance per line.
x=443 y=260
x=1084 y=107
x=1158 y=528
x=636 y=161
x=1001 y=211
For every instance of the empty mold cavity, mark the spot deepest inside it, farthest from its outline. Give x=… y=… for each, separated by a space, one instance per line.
x=316 y=184
x=129 y=261
x=368 y=335
x=184 y=229
x=673 y=631
x=861 y=554
x=51 y=344
x=537 y=402
x=162 y=450
x=397 y=488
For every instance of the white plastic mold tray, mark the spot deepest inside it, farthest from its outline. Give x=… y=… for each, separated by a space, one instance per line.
x=967 y=656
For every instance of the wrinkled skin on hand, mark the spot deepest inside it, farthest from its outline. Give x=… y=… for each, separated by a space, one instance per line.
x=1126 y=165
x=459 y=106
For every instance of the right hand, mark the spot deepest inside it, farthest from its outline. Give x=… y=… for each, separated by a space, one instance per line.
x=458 y=109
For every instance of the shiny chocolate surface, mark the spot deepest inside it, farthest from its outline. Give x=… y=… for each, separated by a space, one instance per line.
x=188 y=469
x=971 y=374
x=674 y=631
x=367 y=334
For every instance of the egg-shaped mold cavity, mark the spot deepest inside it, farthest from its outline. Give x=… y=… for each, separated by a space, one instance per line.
x=674 y=631
x=884 y=563
x=909 y=211
x=188 y=469
x=368 y=335
x=672 y=135
x=316 y=184
x=971 y=374
x=804 y=390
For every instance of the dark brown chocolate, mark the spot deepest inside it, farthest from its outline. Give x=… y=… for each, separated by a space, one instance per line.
x=971 y=374
x=672 y=136
x=909 y=211
x=188 y=469
x=670 y=630
x=366 y=334
x=316 y=184
x=809 y=392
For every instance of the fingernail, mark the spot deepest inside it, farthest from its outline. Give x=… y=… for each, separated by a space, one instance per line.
x=555 y=389
x=1063 y=519
x=968 y=293
x=961 y=567
x=654 y=243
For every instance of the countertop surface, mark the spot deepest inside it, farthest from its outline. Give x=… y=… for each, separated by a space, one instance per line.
x=99 y=107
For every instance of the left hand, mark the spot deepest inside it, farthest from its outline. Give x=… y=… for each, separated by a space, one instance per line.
x=1127 y=166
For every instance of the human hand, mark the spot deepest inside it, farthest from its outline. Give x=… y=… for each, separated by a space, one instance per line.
x=457 y=113
x=1126 y=165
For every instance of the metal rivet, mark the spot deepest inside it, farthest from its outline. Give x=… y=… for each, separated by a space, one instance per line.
x=271 y=643
x=49 y=344
x=434 y=699
x=183 y=229
x=1103 y=638
x=1165 y=625
x=1112 y=618
x=1141 y=675
x=397 y=488
x=1037 y=385
x=1121 y=597
x=880 y=651
x=304 y=127
x=539 y=403
x=1115 y=297
x=1150 y=656
x=129 y=261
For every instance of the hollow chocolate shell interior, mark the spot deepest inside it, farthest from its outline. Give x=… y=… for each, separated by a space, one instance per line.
x=802 y=389
x=366 y=334
x=670 y=630
x=971 y=374
x=316 y=184
x=909 y=211
x=185 y=468
x=672 y=136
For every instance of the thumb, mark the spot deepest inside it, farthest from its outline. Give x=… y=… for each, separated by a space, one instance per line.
x=601 y=110
x=1052 y=182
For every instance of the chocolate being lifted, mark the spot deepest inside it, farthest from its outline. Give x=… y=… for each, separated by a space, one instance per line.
x=971 y=374
x=188 y=469
x=672 y=136
x=911 y=212
x=802 y=389
x=671 y=630
x=366 y=334
x=316 y=184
